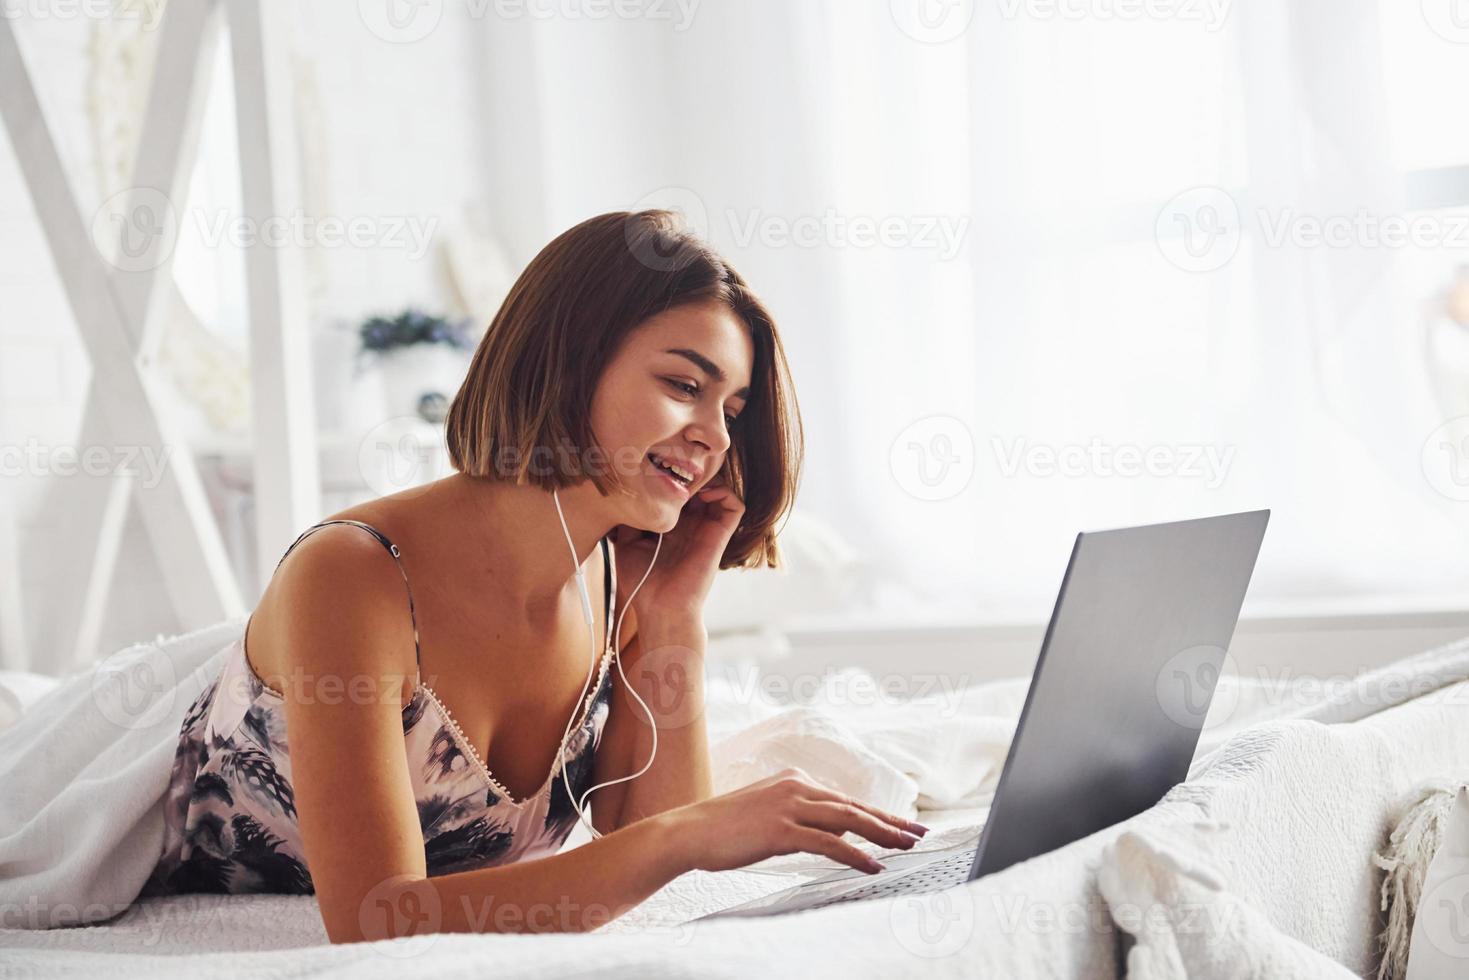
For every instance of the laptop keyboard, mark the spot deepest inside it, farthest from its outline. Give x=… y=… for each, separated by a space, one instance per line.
x=953 y=870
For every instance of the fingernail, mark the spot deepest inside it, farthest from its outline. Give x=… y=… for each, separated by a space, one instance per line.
x=921 y=829
x=874 y=867
x=910 y=835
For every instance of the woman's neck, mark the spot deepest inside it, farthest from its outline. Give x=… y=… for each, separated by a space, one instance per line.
x=519 y=534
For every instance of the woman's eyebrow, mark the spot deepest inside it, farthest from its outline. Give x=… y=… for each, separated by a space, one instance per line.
x=707 y=366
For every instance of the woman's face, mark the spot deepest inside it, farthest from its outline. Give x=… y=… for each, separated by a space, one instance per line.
x=662 y=396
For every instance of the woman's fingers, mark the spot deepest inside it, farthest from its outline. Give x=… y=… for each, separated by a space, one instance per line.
x=819 y=792
x=818 y=842
x=838 y=818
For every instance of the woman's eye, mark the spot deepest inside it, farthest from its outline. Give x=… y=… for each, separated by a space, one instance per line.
x=688 y=389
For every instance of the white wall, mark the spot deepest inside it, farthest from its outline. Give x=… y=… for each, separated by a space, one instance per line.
x=420 y=130
x=1273 y=649
x=368 y=151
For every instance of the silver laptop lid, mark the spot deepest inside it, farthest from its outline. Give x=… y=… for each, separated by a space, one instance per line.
x=1125 y=677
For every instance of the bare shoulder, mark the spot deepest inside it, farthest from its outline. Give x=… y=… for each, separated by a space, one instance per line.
x=336 y=604
x=338 y=621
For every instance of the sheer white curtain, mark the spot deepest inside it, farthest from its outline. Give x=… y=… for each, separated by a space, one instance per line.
x=1051 y=270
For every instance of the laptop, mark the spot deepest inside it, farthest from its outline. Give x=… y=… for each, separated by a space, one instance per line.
x=1116 y=705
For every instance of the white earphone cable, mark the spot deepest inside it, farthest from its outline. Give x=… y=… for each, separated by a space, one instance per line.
x=580 y=805
x=586 y=603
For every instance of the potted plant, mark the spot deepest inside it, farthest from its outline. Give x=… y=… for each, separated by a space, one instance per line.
x=422 y=359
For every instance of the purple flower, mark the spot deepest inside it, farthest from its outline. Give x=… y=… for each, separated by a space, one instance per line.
x=413 y=326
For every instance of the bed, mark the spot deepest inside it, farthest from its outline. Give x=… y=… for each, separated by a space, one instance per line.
x=1307 y=780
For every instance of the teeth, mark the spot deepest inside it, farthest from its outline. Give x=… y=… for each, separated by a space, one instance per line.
x=681 y=474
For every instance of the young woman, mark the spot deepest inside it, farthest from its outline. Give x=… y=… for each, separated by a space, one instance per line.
x=394 y=729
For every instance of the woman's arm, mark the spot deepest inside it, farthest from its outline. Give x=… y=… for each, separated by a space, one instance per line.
x=664 y=664
x=574 y=891
x=587 y=886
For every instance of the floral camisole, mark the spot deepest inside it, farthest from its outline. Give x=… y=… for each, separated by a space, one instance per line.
x=230 y=814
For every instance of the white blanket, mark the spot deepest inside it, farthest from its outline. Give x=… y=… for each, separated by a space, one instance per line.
x=85 y=769
x=1306 y=804
x=95 y=740
x=944 y=749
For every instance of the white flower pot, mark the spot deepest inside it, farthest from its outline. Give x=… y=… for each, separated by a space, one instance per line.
x=409 y=373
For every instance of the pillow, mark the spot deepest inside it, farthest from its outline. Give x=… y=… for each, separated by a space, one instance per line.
x=1185 y=923
x=1439 y=949
x=1404 y=861
x=820 y=573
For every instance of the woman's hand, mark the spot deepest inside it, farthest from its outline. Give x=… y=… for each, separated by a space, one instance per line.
x=783 y=814
x=688 y=558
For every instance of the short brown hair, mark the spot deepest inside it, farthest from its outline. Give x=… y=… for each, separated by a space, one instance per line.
x=528 y=392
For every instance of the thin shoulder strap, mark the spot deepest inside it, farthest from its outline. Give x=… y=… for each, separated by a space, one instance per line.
x=608 y=583
x=392 y=550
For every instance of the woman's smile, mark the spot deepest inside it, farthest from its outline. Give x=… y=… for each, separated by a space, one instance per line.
x=665 y=479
